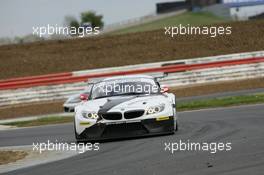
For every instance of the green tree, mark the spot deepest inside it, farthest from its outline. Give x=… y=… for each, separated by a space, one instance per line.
x=91 y=17
x=71 y=21
x=74 y=24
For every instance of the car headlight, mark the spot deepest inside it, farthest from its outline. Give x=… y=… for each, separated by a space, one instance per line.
x=155 y=109
x=89 y=115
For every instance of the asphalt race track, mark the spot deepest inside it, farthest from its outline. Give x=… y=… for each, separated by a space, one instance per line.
x=242 y=126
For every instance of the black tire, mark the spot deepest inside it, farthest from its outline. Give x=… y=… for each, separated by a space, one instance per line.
x=176 y=128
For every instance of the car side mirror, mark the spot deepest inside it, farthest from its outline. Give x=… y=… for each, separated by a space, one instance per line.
x=84 y=97
x=164 y=89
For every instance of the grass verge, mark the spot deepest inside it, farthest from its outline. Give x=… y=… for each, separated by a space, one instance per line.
x=11 y=156
x=41 y=121
x=221 y=102
x=192 y=18
x=183 y=106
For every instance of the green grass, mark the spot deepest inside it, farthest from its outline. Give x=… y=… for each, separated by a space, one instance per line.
x=221 y=102
x=192 y=18
x=41 y=121
x=184 y=106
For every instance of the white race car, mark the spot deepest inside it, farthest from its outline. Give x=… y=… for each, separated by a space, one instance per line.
x=125 y=106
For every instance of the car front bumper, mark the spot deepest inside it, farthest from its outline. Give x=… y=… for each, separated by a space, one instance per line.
x=114 y=130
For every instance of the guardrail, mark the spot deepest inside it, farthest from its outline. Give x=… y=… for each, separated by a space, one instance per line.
x=68 y=78
x=180 y=72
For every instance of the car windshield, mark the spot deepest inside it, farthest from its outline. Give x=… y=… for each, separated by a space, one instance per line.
x=124 y=87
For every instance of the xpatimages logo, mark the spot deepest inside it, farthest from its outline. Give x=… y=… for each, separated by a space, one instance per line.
x=59 y=30
x=59 y=146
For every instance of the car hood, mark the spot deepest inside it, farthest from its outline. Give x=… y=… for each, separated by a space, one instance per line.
x=124 y=103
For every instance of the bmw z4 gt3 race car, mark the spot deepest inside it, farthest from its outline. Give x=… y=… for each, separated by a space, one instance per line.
x=125 y=106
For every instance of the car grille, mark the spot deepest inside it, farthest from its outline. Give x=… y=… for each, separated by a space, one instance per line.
x=133 y=114
x=112 y=116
